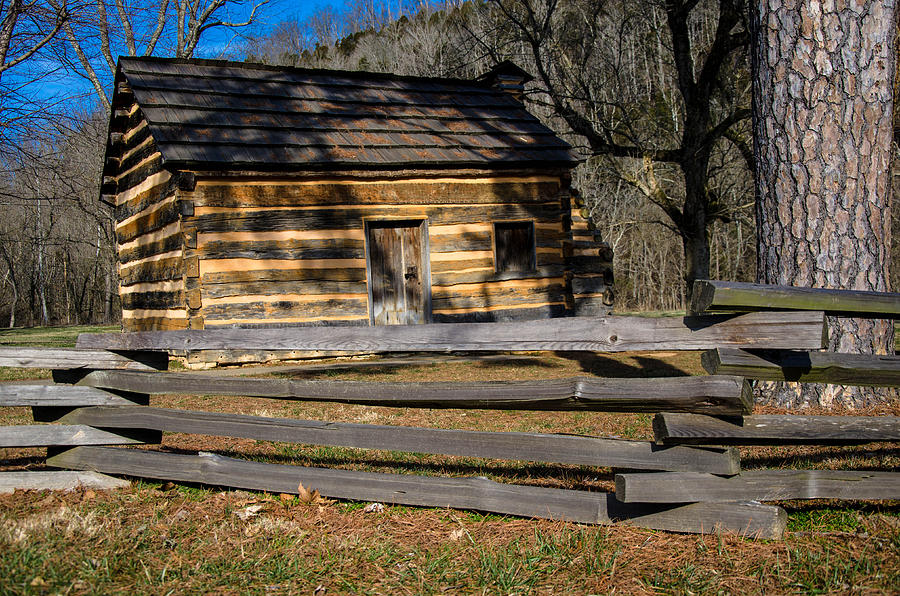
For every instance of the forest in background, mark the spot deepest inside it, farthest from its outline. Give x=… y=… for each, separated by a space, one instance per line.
x=625 y=83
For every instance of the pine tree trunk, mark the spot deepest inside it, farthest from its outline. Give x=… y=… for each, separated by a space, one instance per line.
x=822 y=75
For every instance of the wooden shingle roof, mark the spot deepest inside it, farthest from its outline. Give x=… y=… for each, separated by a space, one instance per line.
x=208 y=114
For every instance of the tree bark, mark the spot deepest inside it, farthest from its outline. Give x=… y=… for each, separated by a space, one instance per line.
x=822 y=108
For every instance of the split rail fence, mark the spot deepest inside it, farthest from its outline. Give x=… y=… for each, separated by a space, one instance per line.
x=688 y=479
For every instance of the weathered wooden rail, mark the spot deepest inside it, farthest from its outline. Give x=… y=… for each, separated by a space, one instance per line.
x=101 y=394
x=808 y=367
x=790 y=330
x=730 y=296
x=721 y=395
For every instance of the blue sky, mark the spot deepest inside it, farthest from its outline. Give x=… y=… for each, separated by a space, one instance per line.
x=56 y=83
x=276 y=11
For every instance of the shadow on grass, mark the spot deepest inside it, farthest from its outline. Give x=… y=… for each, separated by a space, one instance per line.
x=32 y=462
x=517 y=362
x=608 y=366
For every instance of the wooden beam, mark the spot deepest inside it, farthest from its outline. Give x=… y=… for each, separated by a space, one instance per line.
x=58 y=480
x=589 y=451
x=22 y=357
x=757 y=485
x=751 y=519
x=775 y=430
x=708 y=394
x=719 y=296
x=51 y=435
x=778 y=330
x=789 y=365
x=20 y=394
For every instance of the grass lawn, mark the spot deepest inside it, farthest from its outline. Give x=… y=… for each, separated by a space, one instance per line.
x=161 y=538
x=50 y=337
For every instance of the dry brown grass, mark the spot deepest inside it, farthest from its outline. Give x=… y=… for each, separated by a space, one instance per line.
x=188 y=539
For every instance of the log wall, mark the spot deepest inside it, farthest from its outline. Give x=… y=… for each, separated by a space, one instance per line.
x=589 y=265
x=271 y=252
x=148 y=225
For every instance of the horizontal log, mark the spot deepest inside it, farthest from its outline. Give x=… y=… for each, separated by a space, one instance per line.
x=127 y=120
x=145 y=323
x=492 y=296
x=18 y=394
x=143 y=224
x=549 y=258
x=791 y=330
x=136 y=154
x=441 y=243
x=284 y=249
x=500 y=315
x=134 y=178
x=164 y=269
x=53 y=435
x=750 y=519
x=485 y=264
x=596 y=284
x=589 y=451
x=757 y=485
x=357 y=274
x=152 y=190
x=58 y=480
x=715 y=395
x=274 y=194
x=464 y=241
x=586 y=265
x=718 y=296
x=153 y=299
x=142 y=249
x=330 y=307
x=342 y=216
x=774 y=430
x=23 y=357
x=452 y=278
x=272 y=288
x=805 y=367
x=293 y=322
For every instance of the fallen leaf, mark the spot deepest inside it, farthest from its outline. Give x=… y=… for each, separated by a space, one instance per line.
x=167 y=486
x=286 y=497
x=307 y=496
x=38 y=582
x=248 y=512
x=457 y=534
x=373 y=508
x=88 y=495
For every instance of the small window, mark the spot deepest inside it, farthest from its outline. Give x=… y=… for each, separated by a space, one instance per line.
x=514 y=246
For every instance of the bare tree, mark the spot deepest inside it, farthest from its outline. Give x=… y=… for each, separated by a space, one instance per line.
x=653 y=86
x=26 y=28
x=175 y=29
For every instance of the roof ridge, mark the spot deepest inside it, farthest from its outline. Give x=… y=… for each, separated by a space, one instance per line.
x=361 y=74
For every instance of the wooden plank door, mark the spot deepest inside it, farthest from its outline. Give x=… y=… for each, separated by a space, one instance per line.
x=399 y=280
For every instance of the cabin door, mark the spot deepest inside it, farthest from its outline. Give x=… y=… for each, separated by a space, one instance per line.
x=399 y=276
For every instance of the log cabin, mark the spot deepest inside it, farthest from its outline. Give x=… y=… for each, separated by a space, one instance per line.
x=249 y=195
